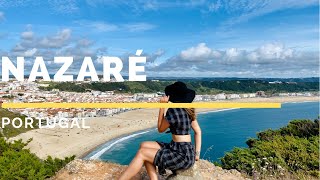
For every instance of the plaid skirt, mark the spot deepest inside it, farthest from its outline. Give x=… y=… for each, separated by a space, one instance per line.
x=174 y=156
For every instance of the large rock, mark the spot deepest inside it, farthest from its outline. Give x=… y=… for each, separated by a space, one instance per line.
x=97 y=170
x=188 y=174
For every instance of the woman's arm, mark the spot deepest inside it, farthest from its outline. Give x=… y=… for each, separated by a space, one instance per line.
x=197 y=137
x=162 y=122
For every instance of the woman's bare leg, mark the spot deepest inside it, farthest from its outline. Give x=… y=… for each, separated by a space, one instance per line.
x=151 y=170
x=142 y=156
x=150 y=144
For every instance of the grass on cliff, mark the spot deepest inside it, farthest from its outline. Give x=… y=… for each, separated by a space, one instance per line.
x=293 y=149
x=9 y=130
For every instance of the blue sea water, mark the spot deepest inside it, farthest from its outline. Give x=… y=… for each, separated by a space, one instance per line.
x=221 y=131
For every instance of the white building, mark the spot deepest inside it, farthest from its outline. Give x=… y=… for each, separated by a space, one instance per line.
x=221 y=96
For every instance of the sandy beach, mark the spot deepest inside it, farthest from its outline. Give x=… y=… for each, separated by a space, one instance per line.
x=60 y=142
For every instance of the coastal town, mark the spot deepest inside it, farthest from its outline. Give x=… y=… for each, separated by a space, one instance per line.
x=30 y=92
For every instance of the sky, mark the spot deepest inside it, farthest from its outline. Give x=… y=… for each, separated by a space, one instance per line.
x=186 y=38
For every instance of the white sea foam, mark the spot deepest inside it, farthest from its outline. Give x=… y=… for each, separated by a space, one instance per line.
x=293 y=102
x=102 y=151
x=219 y=110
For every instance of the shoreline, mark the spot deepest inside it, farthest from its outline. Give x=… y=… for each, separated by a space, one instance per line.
x=149 y=129
x=81 y=142
x=84 y=155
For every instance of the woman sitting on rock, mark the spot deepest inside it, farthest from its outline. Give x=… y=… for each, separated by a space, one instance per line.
x=179 y=153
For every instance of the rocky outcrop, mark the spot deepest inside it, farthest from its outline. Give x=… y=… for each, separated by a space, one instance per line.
x=96 y=170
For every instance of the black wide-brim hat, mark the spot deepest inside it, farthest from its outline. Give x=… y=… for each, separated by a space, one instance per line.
x=179 y=93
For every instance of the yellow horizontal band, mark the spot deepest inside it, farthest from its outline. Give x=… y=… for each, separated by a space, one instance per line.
x=141 y=105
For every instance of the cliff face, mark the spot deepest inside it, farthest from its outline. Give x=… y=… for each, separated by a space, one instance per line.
x=83 y=169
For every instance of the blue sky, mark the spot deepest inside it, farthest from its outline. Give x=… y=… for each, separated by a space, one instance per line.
x=187 y=38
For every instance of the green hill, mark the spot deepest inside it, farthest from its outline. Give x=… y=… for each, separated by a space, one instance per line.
x=9 y=130
x=201 y=87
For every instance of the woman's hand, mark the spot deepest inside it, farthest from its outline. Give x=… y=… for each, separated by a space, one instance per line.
x=197 y=155
x=197 y=158
x=164 y=99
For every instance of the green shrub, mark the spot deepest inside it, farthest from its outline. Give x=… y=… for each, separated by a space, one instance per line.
x=294 y=149
x=16 y=162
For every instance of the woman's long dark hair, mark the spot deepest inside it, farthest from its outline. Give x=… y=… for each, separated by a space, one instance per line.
x=192 y=113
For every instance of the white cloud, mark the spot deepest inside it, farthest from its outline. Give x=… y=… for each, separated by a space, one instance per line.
x=138 y=6
x=201 y=51
x=151 y=58
x=30 y=40
x=214 y=6
x=103 y=27
x=247 y=9
x=100 y=26
x=53 y=6
x=65 y=6
x=139 y=27
x=143 y=4
x=84 y=42
x=243 y=9
x=151 y=4
x=18 y=48
x=57 y=40
x=62 y=43
x=268 y=60
x=269 y=52
x=27 y=35
x=233 y=53
x=30 y=52
x=275 y=51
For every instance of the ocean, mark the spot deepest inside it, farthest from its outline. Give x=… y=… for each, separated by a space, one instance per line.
x=221 y=131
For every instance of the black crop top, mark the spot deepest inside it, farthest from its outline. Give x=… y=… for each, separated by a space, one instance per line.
x=179 y=121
